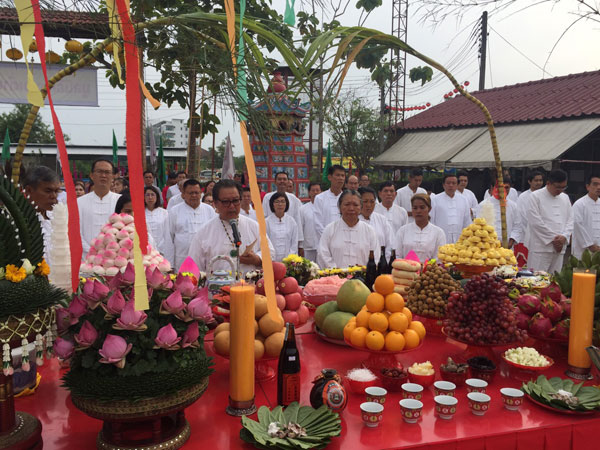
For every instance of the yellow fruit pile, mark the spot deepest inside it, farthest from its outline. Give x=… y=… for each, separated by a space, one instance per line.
x=269 y=333
x=478 y=245
x=384 y=323
x=404 y=272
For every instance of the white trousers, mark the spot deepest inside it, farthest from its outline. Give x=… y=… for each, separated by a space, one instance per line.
x=311 y=255
x=547 y=261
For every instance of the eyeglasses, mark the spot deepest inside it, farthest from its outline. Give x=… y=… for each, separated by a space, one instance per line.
x=228 y=203
x=103 y=172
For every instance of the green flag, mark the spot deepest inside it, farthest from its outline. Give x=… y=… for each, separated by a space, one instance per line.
x=327 y=164
x=115 y=150
x=6 y=147
x=160 y=170
x=289 y=16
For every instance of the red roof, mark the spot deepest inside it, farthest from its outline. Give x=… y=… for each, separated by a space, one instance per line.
x=571 y=96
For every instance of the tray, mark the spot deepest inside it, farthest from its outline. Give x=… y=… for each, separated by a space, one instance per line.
x=379 y=359
x=468 y=271
x=327 y=338
x=529 y=368
x=560 y=411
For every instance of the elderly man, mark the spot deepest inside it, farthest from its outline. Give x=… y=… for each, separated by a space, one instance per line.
x=175 y=189
x=216 y=236
x=550 y=224
x=307 y=216
x=96 y=207
x=290 y=188
x=364 y=180
x=326 y=203
x=586 y=219
x=352 y=183
x=404 y=194
x=246 y=208
x=396 y=215
x=449 y=210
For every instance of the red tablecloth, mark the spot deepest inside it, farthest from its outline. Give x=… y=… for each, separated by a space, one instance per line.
x=531 y=428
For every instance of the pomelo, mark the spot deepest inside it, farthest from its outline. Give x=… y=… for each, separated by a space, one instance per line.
x=352 y=296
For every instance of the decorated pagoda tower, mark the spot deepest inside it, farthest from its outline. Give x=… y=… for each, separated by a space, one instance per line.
x=278 y=147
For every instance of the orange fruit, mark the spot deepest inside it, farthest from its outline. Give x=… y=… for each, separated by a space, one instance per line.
x=378 y=322
x=349 y=328
x=384 y=284
x=407 y=313
x=418 y=327
x=394 y=302
x=362 y=318
x=375 y=340
x=398 y=322
x=375 y=302
x=358 y=336
x=412 y=339
x=394 y=341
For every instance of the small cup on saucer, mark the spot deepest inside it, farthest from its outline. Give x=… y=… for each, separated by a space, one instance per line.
x=412 y=391
x=476 y=385
x=445 y=406
x=376 y=394
x=371 y=413
x=512 y=398
x=411 y=409
x=479 y=403
x=444 y=388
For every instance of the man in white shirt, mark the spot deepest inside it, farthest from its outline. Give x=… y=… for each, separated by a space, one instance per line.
x=352 y=183
x=377 y=221
x=290 y=188
x=246 y=208
x=216 y=238
x=463 y=181
x=586 y=219
x=449 y=210
x=177 y=198
x=307 y=217
x=281 y=182
x=175 y=189
x=513 y=195
x=396 y=215
x=404 y=194
x=550 y=222
x=326 y=203
x=96 y=207
x=185 y=220
x=536 y=181
x=364 y=180
x=514 y=229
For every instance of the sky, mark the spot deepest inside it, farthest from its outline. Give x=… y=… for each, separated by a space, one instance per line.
x=519 y=45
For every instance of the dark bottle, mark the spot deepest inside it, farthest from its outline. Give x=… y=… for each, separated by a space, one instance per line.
x=371 y=271
x=288 y=369
x=392 y=259
x=382 y=266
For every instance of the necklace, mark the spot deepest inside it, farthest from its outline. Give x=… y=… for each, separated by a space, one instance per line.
x=233 y=253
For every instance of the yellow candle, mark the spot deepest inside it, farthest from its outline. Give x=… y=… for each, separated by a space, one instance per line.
x=241 y=353
x=582 y=318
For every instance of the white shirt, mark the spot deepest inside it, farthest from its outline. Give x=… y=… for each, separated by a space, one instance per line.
x=173 y=191
x=184 y=222
x=283 y=234
x=343 y=246
x=470 y=197
x=307 y=217
x=424 y=242
x=451 y=214
x=326 y=210
x=212 y=240
x=403 y=196
x=383 y=229
x=548 y=217
x=93 y=215
x=513 y=195
x=586 y=224
x=293 y=211
x=523 y=206
x=251 y=214
x=62 y=197
x=157 y=222
x=174 y=201
x=514 y=229
x=396 y=215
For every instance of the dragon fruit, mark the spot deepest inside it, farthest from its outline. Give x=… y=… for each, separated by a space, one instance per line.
x=561 y=330
x=551 y=291
x=529 y=304
x=565 y=304
x=551 y=309
x=523 y=321
x=540 y=326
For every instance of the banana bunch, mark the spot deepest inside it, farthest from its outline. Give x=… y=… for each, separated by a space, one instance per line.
x=478 y=245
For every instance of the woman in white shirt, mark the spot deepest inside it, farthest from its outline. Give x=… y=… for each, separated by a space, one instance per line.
x=282 y=229
x=348 y=240
x=421 y=236
x=157 y=218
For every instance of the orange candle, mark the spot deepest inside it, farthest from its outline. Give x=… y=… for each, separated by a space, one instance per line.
x=582 y=319
x=241 y=353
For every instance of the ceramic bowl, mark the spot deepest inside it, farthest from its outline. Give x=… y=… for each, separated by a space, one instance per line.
x=512 y=398
x=445 y=406
x=393 y=384
x=411 y=410
x=444 y=388
x=371 y=413
x=458 y=378
x=479 y=403
x=358 y=387
x=412 y=391
x=476 y=385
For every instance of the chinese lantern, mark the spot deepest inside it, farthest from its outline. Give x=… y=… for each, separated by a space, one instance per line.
x=52 y=58
x=74 y=46
x=33 y=47
x=14 y=54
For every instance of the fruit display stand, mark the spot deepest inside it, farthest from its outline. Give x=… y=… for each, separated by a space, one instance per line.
x=380 y=359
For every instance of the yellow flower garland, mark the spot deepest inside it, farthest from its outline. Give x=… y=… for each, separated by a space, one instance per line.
x=14 y=274
x=43 y=269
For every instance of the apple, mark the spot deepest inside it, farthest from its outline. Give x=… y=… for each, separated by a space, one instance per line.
x=260 y=286
x=288 y=285
x=291 y=317
x=303 y=314
x=280 y=301
x=293 y=301
x=279 y=270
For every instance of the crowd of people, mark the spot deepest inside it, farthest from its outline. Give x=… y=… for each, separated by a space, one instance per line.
x=337 y=227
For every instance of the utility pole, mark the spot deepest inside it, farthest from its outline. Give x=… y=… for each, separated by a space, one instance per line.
x=482 y=50
x=381 y=116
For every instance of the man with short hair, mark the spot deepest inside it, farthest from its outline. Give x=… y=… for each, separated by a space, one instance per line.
x=586 y=219
x=550 y=223
x=281 y=182
x=463 y=181
x=148 y=178
x=290 y=188
x=174 y=190
x=364 y=180
x=326 y=203
x=96 y=207
x=352 y=183
x=177 y=198
x=404 y=194
x=307 y=217
x=449 y=210
x=535 y=180
x=185 y=220
x=215 y=237
x=513 y=195
x=377 y=221
x=246 y=208
x=396 y=215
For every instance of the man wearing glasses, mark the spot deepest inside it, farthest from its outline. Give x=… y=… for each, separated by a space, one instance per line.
x=550 y=224
x=96 y=207
x=216 y=237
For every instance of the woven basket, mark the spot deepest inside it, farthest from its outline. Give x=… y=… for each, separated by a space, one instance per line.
x=134 y=410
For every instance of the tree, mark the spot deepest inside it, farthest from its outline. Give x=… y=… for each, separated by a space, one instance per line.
x=354 y=127
x=41 y=133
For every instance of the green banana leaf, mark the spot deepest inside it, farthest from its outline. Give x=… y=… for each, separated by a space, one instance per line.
x=542 y=389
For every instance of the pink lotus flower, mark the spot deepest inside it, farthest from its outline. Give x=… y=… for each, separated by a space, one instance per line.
x=115 y=304
x=155 y=278
x=131 y=319
x=94 y=292
x=199 y=307
x=114 y=350
x=167 y=338
x=63 y=320
x=129 y=274
x=190 y=337
x=63 y=348
x=189 y=266
x=86 y=336
x=115 y=283
x=77 y=308
x=186 y=285
x=173 y=304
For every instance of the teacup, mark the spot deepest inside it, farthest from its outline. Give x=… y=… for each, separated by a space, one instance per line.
x=411 y=409
x=445 y=406
x=444 y=388
x=512 y=398
x=476 y=385
x=372 y=413
x=376 y=394
x=478 y=402
x=412 y=391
